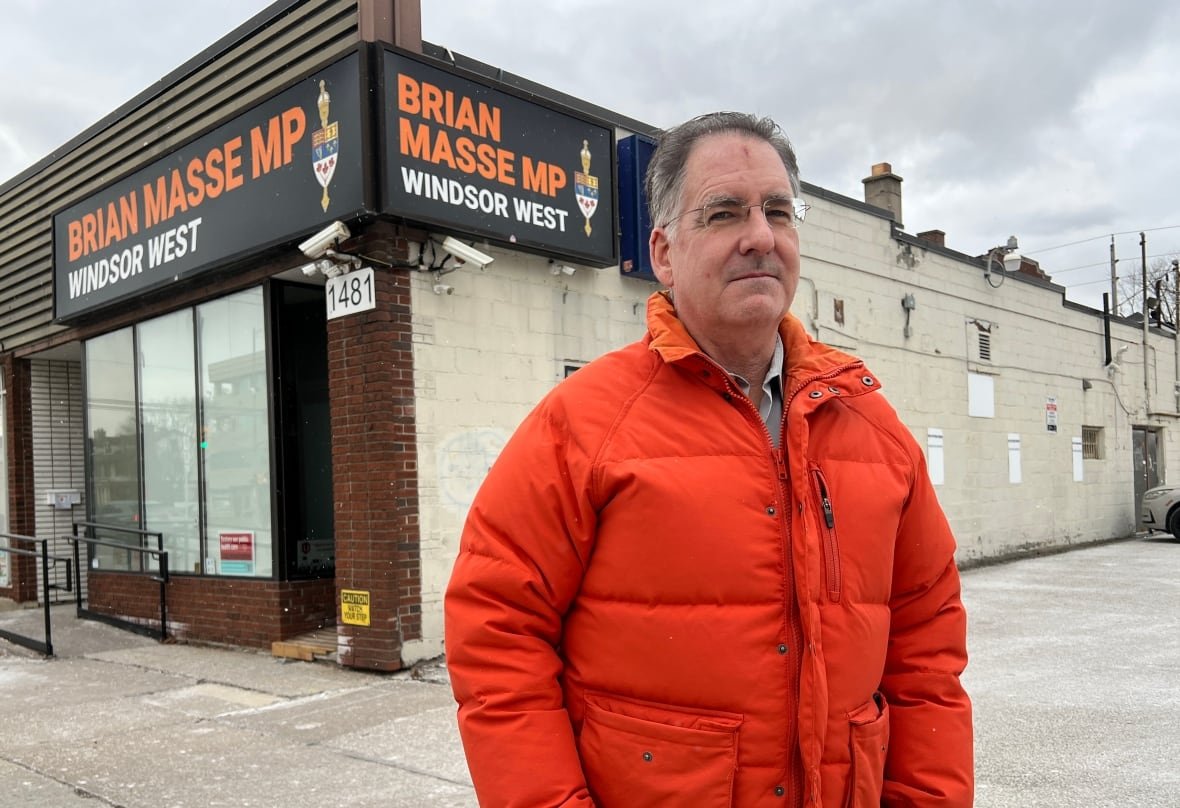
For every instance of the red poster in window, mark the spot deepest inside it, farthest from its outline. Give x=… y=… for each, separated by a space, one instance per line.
x=237 y=546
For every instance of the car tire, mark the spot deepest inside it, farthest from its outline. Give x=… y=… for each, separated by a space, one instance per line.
x=1174 y=523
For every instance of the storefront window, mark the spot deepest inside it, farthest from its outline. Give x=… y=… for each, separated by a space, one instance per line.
x=168 y=419
x=203 y=416
x=113 y=444
x=236 y=439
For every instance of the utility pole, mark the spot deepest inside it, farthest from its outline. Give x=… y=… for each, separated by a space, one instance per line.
x=1146 y=384
x=1176 y=333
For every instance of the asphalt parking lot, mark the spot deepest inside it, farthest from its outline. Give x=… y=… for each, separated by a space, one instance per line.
x=1074 y=677
x=1074 y=661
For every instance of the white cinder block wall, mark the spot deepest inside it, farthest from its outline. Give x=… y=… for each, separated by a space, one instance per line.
x=1041 y=349
x=485 y=354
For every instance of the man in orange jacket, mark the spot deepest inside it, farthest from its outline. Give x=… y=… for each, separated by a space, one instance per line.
x=709 y=569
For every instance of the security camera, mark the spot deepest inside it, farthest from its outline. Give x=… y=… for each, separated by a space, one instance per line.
x=320 y=265
x=324 y=240
x=466 y=253
x=443 y=289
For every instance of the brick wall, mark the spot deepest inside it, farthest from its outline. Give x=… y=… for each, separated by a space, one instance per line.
x=375 y=473
x=244 y=612
x=21 y=519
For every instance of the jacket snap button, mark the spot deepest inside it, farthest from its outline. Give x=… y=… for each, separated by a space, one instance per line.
x=647 y=756
x=770 y=511
x=867 y=381
x=816 y=393
x=782 y=649
x=779 y=791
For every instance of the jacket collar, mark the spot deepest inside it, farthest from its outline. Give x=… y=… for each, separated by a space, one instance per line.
x=806 y=359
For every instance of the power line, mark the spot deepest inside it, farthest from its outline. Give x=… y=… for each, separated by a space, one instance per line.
x=1134 y=293
x=1089 y=283
x=1104 y=235
x=1106 y=263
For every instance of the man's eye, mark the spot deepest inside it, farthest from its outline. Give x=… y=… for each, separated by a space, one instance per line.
x=781 y=213
x=720 y=214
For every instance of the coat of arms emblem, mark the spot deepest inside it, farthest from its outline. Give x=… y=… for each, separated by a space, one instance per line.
x=325 y=145
x=586 y=187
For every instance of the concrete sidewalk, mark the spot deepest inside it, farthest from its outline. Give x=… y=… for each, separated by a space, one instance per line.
x=1073 y=673
x=121 y=720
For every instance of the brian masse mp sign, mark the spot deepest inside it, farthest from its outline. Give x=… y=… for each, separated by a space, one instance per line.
x=466 y=157
x=280 y=169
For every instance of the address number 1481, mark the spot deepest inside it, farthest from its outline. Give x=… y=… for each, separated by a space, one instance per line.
x=350 y=293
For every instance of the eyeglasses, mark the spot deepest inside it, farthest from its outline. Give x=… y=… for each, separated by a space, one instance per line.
x=779 y=213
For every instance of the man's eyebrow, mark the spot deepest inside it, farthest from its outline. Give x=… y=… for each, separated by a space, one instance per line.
x=722 y=199
x=730 y=199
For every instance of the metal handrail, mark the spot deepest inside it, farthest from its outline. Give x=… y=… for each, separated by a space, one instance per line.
x=45 y=647
x=160 y=554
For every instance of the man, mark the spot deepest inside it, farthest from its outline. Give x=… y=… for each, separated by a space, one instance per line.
x=710 y=569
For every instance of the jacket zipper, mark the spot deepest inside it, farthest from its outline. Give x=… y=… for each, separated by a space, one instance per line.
x=795 y=774
x=828 y=528
x=795 y=653
x=788 y=399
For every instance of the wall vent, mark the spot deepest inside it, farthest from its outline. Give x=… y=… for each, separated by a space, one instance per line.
x=985 y=346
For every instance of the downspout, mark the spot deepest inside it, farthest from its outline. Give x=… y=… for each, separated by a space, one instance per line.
x=1106 y=327
x=813 y=315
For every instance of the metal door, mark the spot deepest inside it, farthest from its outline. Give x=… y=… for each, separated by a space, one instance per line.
x=1145 y=449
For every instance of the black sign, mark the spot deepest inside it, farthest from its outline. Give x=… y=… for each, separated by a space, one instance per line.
x=284 y=168
x=467 y=157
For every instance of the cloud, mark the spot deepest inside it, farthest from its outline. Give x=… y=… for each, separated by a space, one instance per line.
x=1051 y=121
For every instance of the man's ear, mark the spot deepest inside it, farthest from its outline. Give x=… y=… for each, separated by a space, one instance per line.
x=661 y=263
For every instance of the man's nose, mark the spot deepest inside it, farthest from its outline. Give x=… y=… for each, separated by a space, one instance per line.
x=757 y=234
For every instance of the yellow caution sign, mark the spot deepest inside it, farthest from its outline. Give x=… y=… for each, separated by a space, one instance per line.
x=354 y=607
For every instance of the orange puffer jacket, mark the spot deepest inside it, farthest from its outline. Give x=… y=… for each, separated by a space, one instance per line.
x=654 y=607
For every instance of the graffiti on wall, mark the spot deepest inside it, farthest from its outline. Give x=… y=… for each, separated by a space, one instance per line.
x=463 y=461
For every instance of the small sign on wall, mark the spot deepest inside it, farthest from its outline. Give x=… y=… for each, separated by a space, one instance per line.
x=1051 y=414
x=354 y=607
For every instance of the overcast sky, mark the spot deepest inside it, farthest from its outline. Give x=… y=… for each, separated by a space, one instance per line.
x=1056 y=122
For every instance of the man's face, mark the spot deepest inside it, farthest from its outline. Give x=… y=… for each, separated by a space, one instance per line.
x=739 y=278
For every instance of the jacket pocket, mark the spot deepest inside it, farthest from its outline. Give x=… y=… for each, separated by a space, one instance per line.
x=642 y=753
x=826 y=515
x=868 y=744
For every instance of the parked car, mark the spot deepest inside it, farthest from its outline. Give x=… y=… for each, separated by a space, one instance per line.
x=1161 y=509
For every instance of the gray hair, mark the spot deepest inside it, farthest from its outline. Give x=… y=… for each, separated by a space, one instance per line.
x=664 y=183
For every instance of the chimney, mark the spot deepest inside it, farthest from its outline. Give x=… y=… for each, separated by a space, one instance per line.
x=934 y=237
x=883 y=190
